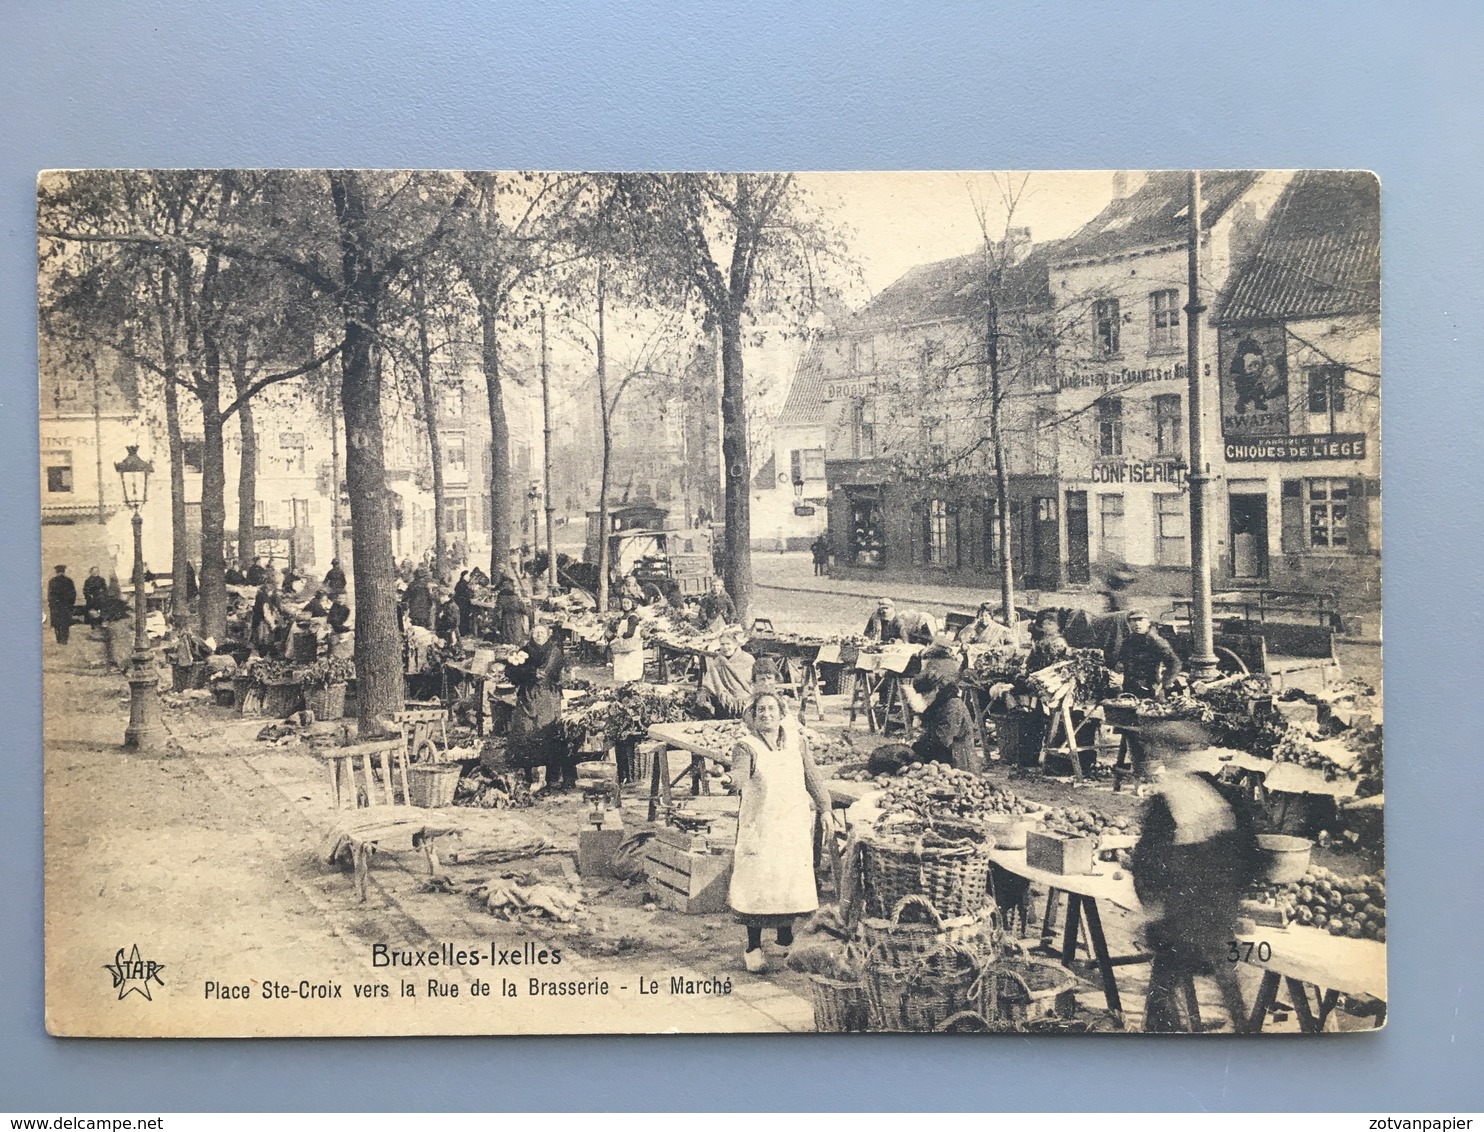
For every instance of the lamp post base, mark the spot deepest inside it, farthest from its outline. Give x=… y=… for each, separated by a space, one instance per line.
x=145 y=732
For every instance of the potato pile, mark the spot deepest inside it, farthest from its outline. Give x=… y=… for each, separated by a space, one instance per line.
x=938 y=791
x=1348 y=906
x=1078 y=821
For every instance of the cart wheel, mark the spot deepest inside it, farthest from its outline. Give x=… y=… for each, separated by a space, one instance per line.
x=1229 y=662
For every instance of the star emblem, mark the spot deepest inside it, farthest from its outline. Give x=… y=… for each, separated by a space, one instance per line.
x=132 y=974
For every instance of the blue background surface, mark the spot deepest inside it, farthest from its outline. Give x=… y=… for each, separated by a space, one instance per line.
x=1390 y=87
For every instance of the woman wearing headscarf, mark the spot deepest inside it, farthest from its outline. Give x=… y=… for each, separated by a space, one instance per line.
x=536 y=737
x=773 y=861
x=267 y=619
x=512 y=619
x=463 y=596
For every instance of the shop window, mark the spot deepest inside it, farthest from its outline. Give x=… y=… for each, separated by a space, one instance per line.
x=1105 y=327
x=1110 y=528
x=192 y=453
x=456 y=515
x=1110 y=427
x=58 y=472
x=1326 y=385
x=1328 y=502
x=867 y=547
x=1169 y=529
x=455 y=456
x=1164 y=321
x=1167 y=424
x=940 y=533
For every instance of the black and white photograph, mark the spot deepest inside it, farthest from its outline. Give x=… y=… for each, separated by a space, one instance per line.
x=686 y=602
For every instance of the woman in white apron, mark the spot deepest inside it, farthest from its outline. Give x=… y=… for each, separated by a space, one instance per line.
x=626 y=646
x=773 y=865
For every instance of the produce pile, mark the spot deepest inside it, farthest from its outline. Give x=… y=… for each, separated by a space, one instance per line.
x=625 y=713
x=479 y=787
x=714 y=734
x=1348 y=906
x=269 y=672
x=1083 y=669
x=938 y=792
x=998 y=666
x=1084 y=821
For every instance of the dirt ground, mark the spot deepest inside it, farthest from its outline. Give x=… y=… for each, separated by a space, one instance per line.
x=209 y=857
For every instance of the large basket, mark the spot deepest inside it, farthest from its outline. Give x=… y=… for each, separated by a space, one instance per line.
x=900 y=944
x=326 y=703
x=954 y=877
x=432 y=785
x=1018 y=990
x=188 y=677
x=839 y=1007
x=921 y=997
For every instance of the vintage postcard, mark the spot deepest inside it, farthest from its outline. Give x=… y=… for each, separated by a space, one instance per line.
x=545 y=603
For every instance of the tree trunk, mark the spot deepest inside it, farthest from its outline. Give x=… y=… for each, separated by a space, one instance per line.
x=213 y=579
x=604 y=415
x=1001 y=474
x=247 y=472
x=499 y=446
x=737 y=542
x=179 y=555
x=378 y=643
x=430 y=417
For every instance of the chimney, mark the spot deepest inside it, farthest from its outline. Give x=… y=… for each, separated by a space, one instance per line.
x=1016 y=245
x=1126 y=183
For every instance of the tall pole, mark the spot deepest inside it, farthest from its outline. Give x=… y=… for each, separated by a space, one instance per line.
x=334 y=487
x=1203 y=656
x=98 y=439
x=551 y=565
x=144 y=731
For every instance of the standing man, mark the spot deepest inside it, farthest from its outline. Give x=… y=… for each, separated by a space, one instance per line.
x=61 y=598
x=94 y=594
x=335 y=579
x=820 y=548
x=1147 y=661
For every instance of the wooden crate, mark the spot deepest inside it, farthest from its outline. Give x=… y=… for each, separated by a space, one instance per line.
x=684 y=880
x=1067 y=856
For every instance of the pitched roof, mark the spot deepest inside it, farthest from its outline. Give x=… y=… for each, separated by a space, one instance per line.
x=1319 y=255
x=1155 y=213
x=804 y=404
x=953 y=289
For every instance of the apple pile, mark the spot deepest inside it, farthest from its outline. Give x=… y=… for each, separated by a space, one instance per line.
x=1348 y=906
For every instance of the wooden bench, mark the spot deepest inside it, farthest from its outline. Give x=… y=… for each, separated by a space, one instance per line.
x=352 y=773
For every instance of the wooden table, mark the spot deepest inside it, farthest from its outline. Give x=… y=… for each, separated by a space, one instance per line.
x=1312 y=961
x=878 y=690
x=685 y=737
x=803 y=652
x=1083 y=893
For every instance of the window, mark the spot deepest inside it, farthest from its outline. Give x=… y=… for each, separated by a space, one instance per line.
x=1164 y=321
x=299 y=511
x=1326 y=392
x=58 y=472
x=1110 y=528
x=940 y=533
x=455 y=459
x=451 y=401
x=813 y=460
x=1105 y=327
x=867 y=540
x=1110 y=427
x=456 y=515
x=291 y=449
x=862 y=431
x=1329 y=514
x=1167 y=424
x=862 y=355
x=260 y=513
x=1043 y=444
x=1169 y=529
x=192 y=453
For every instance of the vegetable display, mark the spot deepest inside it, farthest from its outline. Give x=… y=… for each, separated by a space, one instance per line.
x=938 y=792
x=1349 y=906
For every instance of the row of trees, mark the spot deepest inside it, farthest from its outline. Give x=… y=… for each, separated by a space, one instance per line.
x=223 y=285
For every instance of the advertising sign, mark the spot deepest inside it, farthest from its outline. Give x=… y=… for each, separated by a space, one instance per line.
x=1254 y=382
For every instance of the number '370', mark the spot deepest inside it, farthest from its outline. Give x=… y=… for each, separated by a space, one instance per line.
x=1242 y=951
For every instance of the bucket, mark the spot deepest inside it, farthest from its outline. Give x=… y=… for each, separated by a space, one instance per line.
x=1284 y=858
x=432 y=785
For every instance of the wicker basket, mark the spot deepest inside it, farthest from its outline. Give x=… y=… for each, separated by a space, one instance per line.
x=327 y=702
x=282 y=700
x=955 y=878
x=900 y=944
x=839 y=1007
x=1019 y=990
x=432 y=785
x=922 y=997
x=188 y=677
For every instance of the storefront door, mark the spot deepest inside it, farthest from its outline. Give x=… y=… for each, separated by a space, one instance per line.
x=1079 y=562
x=1249 y=536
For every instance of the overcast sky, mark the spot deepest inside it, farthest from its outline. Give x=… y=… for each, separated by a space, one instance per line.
x=904 y=219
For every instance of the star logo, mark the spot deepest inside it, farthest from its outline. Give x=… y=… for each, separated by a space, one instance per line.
x=132 y=974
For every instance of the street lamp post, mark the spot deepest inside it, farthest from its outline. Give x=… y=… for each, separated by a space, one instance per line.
x=533 y=497
x=145 y=731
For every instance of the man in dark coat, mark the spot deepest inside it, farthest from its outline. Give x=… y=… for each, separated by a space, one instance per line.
x=61 y=598
x=335 y=579
x=94 y=594
x=1147 y=661
x=419 y=599
x=257 y=573
x=1196 y=858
